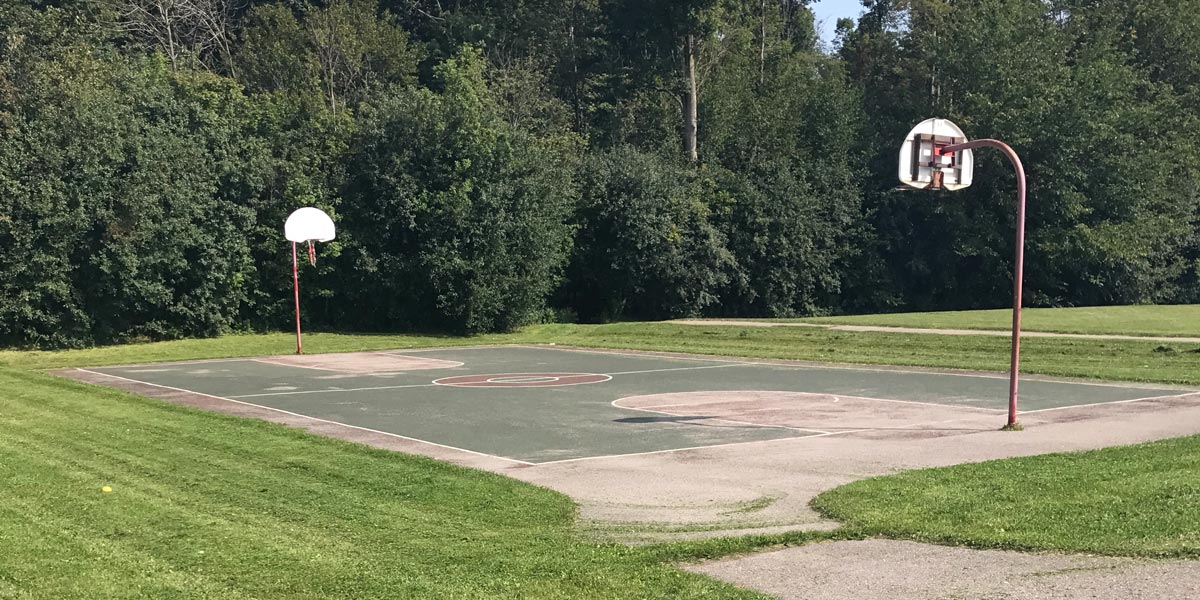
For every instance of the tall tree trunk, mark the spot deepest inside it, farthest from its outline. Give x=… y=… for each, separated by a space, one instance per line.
x=762 y=45
x=689 y=106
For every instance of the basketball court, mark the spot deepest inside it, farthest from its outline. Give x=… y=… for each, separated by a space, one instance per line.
x=543 y=405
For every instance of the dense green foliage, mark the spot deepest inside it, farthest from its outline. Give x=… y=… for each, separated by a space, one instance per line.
x=1078 y=88
x=454 y=218
x=491 y=164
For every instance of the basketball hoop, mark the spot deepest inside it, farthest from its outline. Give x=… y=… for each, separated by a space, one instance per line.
x=937 y=155
x=925 y=164
x=306 y=225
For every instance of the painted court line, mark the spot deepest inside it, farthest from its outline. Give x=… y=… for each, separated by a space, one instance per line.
x=1090 y=404
x=403 y=351
x=683 y=369
x=448 y=447
x=311 y=418
x=631 y=353
x=450 y=364
x=201 y=361
x=775 y=362
x=848 y=397
x=483 y=384
x=813 y=365
x=364 y=389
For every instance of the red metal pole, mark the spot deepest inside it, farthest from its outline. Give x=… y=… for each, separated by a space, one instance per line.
x=296 y=289
x=1018 y=268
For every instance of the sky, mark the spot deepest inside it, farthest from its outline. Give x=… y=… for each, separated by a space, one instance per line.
x=829 y=11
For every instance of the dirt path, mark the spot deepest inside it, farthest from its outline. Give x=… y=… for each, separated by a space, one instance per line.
x=890 y=329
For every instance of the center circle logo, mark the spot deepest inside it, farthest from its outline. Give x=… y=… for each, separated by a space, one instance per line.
x=509 y=380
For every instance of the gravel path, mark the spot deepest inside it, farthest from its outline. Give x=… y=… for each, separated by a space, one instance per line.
x=896 y=570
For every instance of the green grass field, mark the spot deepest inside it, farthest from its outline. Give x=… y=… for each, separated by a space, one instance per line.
x=209 y=506
x=1166 y=321
x=1128 y=501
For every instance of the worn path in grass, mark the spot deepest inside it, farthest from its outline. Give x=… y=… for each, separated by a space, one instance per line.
x=937 y=331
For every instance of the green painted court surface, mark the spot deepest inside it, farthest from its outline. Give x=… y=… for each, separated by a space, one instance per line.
x=568 y=422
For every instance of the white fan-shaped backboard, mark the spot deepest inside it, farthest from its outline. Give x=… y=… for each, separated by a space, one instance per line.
x=918 y=163
x=308 y=223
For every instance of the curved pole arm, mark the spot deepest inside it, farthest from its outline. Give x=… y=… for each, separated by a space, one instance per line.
x=1018 y=269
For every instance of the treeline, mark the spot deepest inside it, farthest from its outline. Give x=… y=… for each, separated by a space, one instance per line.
x=493 y=164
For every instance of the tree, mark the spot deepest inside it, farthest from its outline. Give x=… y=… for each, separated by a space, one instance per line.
x=644 y=247
x=187 y=32
x=1106 y=212
x=347 y=48
x=667 y=48
x=120 y=218
x=455 y=220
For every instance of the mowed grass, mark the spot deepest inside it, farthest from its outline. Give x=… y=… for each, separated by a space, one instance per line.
x=229 y=346
x=1151 y=362
x=209 y=506
x=1165 y=321
x=1130 y=501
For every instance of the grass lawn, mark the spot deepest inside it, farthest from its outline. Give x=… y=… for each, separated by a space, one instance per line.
x=1177 y=363
x=1170 y=321
x=209 y=506
x=1132 y=501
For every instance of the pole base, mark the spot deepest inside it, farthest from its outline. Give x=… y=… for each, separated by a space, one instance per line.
x=1013 y=427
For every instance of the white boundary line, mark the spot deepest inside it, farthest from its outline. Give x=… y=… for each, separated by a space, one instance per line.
x=448 y=447
x=311 y=418
x=300 y=392
x=626 y=352
x=814 y=365
x=732 y=361
x=201 y=361
x=442 y=348
x=481 y=384
x=917 y=402
x=1091 y=404
x=266 y=360
x=683 y=369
